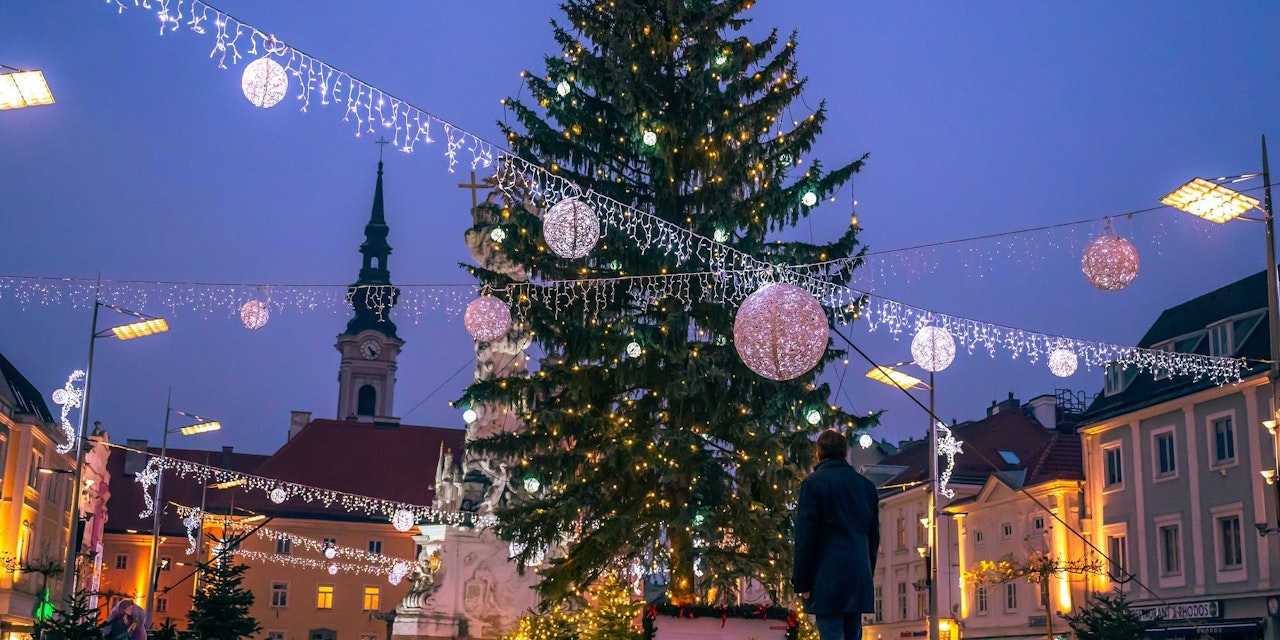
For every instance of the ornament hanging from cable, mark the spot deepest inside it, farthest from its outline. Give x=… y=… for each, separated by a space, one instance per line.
x=487 y=318
x=933 y=348
x=254 y=314
x=1063 y=362
x=1110 y=262
x=780 y=331
x=278 y=495
x=402 y=520
x=264 y=82
x=571 y=228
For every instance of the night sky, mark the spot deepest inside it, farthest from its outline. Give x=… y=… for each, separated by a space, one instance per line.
x=980 y=118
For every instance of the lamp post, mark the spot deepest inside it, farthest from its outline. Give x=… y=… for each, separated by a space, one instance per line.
x=893 y=377
x=201 y=425
x=145 y=326
x=1217 y=203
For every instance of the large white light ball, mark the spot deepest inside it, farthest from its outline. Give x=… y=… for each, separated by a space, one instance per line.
x=264 y=82
x=1063 y=362
x=333 y=569
x=813 y=417
x=487 y=318
x=330 y=551
x=633 y=350
x=402 y=520
x=649 y=138
x=254 y=314
x=278 y=495
x=469 y=415
x=865 y=441
x=1110 y=263
x=571 y=228
x=562 y=89
x=933 y=348
x=780 y=331
x=809 y=199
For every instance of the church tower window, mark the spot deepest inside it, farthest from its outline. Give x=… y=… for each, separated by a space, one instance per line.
x=367 y=401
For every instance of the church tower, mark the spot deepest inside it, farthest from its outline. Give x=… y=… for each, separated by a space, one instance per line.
x=369 y=346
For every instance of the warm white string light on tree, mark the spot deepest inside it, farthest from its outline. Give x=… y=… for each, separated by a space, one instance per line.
x=68 y=397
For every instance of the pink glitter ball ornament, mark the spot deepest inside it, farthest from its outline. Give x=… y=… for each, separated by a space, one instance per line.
x=487 y=318
x=780 y=331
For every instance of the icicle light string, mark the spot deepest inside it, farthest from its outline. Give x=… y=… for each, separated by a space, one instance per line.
x=314 y=563
x=279 y=491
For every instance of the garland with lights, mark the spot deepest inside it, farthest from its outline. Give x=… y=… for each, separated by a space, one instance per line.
x=949 y=448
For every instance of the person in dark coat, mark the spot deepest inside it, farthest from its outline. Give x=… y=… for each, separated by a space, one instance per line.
x=837 y=540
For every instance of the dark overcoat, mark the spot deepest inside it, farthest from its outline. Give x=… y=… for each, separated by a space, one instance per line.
x=837 y=540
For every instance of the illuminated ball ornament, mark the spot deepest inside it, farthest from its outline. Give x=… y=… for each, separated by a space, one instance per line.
x=497 y=235
x=469 y=415
x=562 y=89
x=278 y=495
x=254 y=314
x=330 y=551
x=865 y=441
x=633 y=350
x=1110 y=262
x=933 y=348
x=532 y=484
x=333 y=569
x=813 y=417
x=649 y=138
x=809 y=199
x=1063 y=362
x=264 y=82
x=487 y=318
x=720 y=235
x=402 y=520
x=571 y=228
x=780 y=331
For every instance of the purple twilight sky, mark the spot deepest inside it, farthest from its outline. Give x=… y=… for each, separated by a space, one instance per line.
x=980 y=118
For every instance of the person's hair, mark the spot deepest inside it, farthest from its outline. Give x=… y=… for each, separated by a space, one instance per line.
x=832 y=444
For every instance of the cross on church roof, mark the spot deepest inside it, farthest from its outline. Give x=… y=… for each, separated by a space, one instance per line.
x=382 y=142
x=473 y=186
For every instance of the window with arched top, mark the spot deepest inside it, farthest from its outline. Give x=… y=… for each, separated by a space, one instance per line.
x=366 y=400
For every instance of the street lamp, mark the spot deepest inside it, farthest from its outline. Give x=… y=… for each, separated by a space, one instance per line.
x=144 y=326
x=893 y=377
x=201 y=425
x=1212 y=201
x=19 y=88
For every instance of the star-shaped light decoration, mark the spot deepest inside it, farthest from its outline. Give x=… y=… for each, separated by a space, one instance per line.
x=949 y=447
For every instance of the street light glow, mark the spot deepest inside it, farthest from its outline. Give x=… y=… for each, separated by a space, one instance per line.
x=1209 y=200
x=201 y=427
x=24 y=89
x=895 y=378
x=140 y=329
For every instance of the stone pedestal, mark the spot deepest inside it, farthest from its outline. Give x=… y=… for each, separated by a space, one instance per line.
x=417 y=625
x=710 y=628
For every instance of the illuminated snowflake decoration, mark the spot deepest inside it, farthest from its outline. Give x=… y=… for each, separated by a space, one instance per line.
x=497 y=235
x=865 y=441
x=780 y=331
x=278 y=495
x=532 y=484
x=1110 y=262
x=193 y=522
x=933 y=348
x=813 y=417
x=487 y=318
x=1063 y=362
x=68 y=397
x=786 y=159
x=571 y=228
x=562 y=89
x=809 y=199
x=264 y=82
x=403 y=520
x=633 y=350
x=254 y=314
x=949 y=448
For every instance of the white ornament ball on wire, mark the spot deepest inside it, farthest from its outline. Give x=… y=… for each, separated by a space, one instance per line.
x=264 y=82
x=278 y=495
x=1110 y=262
x=330 y=551
x=333 y=569
x=254 y=314
x=780 y=331
x=933 y=348
x=403 y=520
x=571 y=228
x=487 y=318
x=1063 y=362
x=469 y=415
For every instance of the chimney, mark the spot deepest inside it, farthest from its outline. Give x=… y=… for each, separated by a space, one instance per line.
x=1008 y=404
x=1044 y=408
x=134 y=462
x=298 y=420
x=227 y=456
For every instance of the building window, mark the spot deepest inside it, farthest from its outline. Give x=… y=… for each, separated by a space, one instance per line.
x=1224 y=440
x=1117 y=556
x=879 y=601
x=372 y=598
x=33 y=474
x=322 y=634
x=981 y=596
x=1220 y=340
x=166 y=563
x=324 y=597
x=275 y=635
x=1113 y=467
x=375 y=547
x=1230 y=542
x=1037 y=523
x=162 y=604
x=922 y=604
x=1118 y=378
x=922 y=531
x=283 y=546
x=977 y=537
x=902 y=601
x=1006 y=530
x=1010 y=596
x=1163 y=452
x=279 y=594
x=331 y=542
x=1170 y=550
x=900 y=534
x=122 y=561
x=366 y=400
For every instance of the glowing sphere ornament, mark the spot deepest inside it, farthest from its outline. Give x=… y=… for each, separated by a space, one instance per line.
x=330 y=551
x=497 y=235
x=398 y=571
x=809 y=199
x=721 y=59
x=721 y=235
x=264 y=82
x=562 y=89
x=487 y=318
x=278 y=495
x=865 y=441
x=780 y=331
x=469 y=415
x=933 y=348
x=333 y=569
x=633 y=350
x=1063 y=362
x=649 y=138
x=532 y=484
x=813 y=417
x=254 y=314
x=571 y=228
x=1110 y=262
x=403 y=520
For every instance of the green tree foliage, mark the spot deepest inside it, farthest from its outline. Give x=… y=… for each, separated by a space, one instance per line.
x=1107 y=617
x=607 y=612
x=74 y=620
x=166 y=631
x=220 y=610
x=680 y=457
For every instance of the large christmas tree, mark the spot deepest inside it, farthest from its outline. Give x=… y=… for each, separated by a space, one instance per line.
x=653 y=446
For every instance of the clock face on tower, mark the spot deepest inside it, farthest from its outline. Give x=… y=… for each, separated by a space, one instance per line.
x=370 y=348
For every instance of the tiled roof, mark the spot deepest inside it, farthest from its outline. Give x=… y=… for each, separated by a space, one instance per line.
x=24 y=395
x=1240 y=297
x=126 y=501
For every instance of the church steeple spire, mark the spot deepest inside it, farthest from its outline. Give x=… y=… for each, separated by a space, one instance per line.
x=372 y=295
